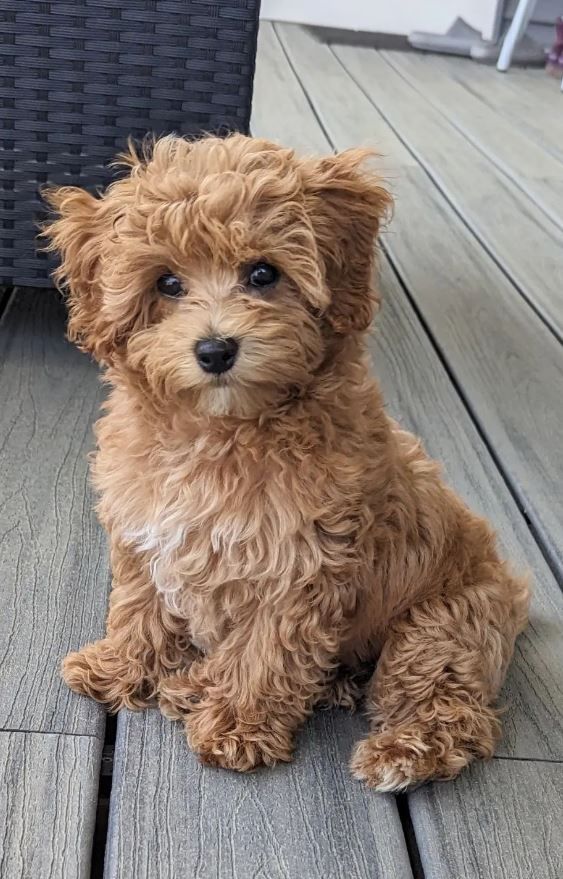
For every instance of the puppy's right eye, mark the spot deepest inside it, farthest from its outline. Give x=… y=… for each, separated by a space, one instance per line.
x=171 y=286
x=262 y=275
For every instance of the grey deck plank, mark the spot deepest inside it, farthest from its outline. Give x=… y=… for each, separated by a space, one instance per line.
x=297 y=123
x=528 y=98
x=170 y=816
x=498 y=821
x=53 y=558
x=47 y=804
x=278 y=100
x=524 y=241
x=509 y=365
x=519 y=157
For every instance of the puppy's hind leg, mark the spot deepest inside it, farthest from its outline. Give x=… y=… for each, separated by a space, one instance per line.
x=438 y=675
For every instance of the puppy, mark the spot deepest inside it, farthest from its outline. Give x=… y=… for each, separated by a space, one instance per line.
x=271 y=528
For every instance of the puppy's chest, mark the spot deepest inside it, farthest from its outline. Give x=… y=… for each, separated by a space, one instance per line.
x=215 y=527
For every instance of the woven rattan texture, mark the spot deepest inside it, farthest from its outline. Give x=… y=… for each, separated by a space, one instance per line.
x=78 y=77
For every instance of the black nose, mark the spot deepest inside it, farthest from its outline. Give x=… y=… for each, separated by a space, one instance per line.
x=216 y=355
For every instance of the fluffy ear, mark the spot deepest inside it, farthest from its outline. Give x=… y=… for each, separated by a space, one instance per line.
x=347 y=205
x=76 y=235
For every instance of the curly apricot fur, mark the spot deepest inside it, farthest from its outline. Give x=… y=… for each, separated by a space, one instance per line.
x=272 y=526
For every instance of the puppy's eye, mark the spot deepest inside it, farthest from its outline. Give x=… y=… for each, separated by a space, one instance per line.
x=171 y=286
x=262 y=275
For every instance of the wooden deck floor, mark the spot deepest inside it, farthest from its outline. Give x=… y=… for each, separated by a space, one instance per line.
x=469 y=352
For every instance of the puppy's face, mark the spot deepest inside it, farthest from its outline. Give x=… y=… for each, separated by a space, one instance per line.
x=221 y=272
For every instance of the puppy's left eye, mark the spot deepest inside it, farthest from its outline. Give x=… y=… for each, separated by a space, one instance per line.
x=262 y=275
x=169 y=285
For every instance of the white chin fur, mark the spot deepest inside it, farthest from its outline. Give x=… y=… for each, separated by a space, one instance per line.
x=218 y=400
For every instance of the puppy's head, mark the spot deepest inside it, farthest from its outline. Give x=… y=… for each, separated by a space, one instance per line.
x=221 y=272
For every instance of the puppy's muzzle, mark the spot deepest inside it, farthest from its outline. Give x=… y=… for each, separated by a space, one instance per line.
x=216 y=355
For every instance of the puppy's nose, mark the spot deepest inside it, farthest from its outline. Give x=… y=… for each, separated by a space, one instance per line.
x=216 y=355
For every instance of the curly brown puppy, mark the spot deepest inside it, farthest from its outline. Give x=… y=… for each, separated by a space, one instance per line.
x=269 y=523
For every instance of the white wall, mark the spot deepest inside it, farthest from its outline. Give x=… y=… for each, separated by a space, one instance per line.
x=395 y=17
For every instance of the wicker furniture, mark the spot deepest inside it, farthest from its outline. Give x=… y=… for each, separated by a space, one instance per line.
x=78 y=77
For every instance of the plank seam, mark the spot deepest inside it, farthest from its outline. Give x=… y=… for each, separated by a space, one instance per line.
x=508 y=758
x=51 y=732
x=443 y=192
x=403 y=808
x=105 y=784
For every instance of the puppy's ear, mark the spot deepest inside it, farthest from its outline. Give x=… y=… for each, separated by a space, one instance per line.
x=347 y=205
x=76 y=234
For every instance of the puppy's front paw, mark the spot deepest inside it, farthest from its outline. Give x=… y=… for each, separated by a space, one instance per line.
x=392 y=761
x=221 y=738
x=100 y=672
x=408 y=756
